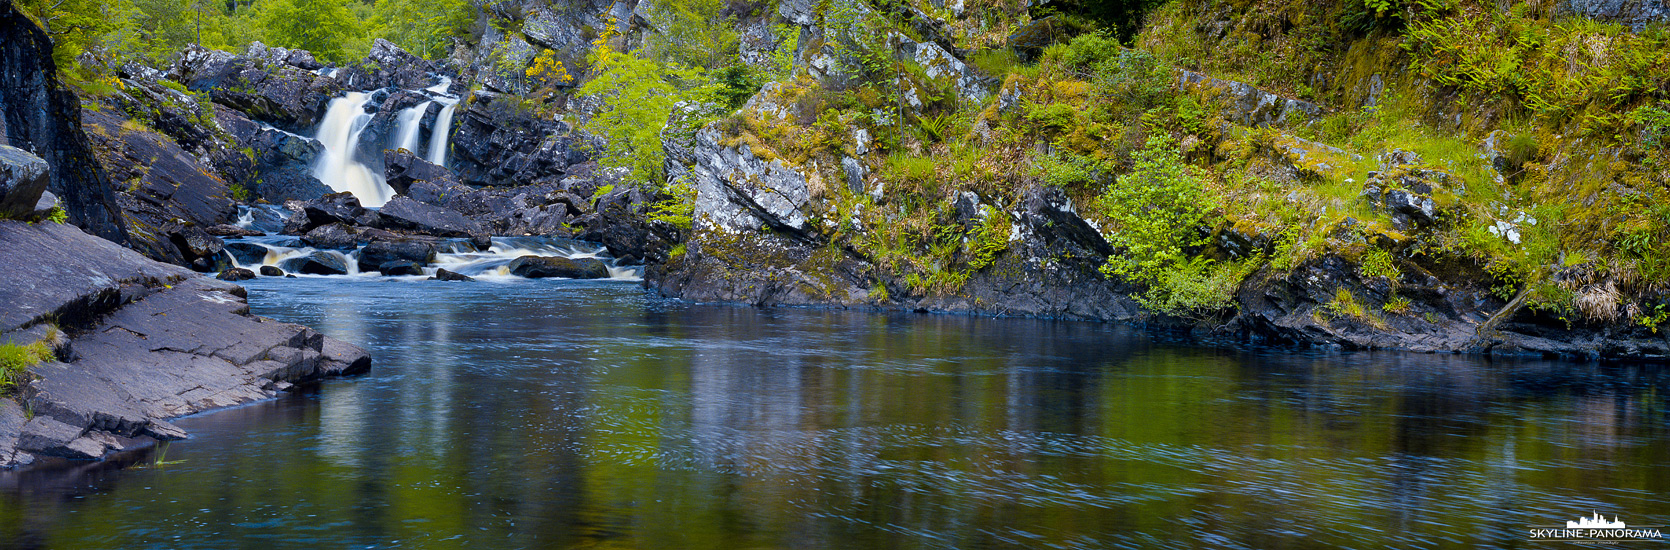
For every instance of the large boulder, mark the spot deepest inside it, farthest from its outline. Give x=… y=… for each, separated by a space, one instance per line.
x=403 y=213
x=317 y=263
x=334 y=236
x=538 y=267
x=379 y=252
x=402 y=168
x=23 y=177
x=497 y=143
x=43 y=116
x=278 y=165
x=341 y=208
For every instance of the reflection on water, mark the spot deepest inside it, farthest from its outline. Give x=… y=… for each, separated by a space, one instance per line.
x=554 y=414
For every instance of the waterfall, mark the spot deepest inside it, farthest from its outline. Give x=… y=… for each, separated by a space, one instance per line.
x=345 y=118
x=407 y=125
x=443 y=127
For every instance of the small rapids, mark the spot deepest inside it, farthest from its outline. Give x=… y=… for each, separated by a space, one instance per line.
x=456 y=255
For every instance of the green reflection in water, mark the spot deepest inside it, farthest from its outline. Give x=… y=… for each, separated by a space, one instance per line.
x=564 y=415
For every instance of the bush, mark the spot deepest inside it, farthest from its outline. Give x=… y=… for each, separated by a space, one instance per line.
x=1134 y=78
x=15 y=361
x=1157 y=210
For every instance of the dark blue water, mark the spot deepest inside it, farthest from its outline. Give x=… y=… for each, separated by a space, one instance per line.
x=561 y=414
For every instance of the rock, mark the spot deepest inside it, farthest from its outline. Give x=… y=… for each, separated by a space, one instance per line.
x=229 y=230
x=1399 y=157
x=401 y=68
x=1030 y=39
x=236 y=274
x=43 y=116
x=335 y=236
x=1419 y=208
x=341 y=208
x=23 y=178
x=379 y=252
x=403 y=213
x=317 y=263
x=401 y=169
x=1250 y=105
x=400 y=267
x=280 y=164
x=151 y=341
x=48 y=437
x=271 y=271
x=444 y=275
x=621 y=224
x=1635 y=14
x=742 y=192
x=247 y=253
x=536 y=267
x=497 y=144
x=43 y=207
x=287 y=96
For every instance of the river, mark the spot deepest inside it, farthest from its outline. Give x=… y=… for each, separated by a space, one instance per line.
x=565 y=414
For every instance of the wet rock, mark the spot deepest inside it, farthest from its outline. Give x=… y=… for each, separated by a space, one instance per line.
x=236 y=274
x=621 y=224
x=247 y=253
x=228 y=230
x=444 y=275
x=402 y=168
x=377 y=253
x=403 y=213
x=495 y=143
x=336 y=236
x=317 y=263
x=536 y=267
x=273 y=164
x=23 y=178
x=400 y=267
x=271 y=271
x=341 y=208
x=398 y=67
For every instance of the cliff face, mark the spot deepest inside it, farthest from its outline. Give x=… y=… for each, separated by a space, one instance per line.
x=44 y=117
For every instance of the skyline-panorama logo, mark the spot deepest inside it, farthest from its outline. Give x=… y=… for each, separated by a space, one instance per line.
x=1596 y=529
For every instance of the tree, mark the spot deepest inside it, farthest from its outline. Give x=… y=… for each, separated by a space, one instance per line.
x=638 y=96
x=423 y=27
x=322 y=27
x=76 y=25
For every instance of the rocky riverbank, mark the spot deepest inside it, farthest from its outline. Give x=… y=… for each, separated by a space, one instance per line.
x=134 y=343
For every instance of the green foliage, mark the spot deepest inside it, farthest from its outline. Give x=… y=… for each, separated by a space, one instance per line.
x=1134 y=79
x=989 y=238
x=58 y=215
x=15 y=361
x=1396 y=305
x=1067 y=169
x=1654 y=319
x=319 y=26
x=1378 y=263
x=737 y=83
x=690 y=33
x=639 y=95
x=1157 y=210
x=77 y=25
x=239 y=192
x=422 y=27
x=679 y=205
x=1577 y=69
x=1653 y=122
x=1088 y=51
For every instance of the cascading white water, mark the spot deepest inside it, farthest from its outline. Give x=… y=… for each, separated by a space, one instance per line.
x=339 y=133
x=443 y=127
x=407 y=125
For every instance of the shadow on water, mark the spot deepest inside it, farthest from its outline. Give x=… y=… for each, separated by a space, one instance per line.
x=552 y=414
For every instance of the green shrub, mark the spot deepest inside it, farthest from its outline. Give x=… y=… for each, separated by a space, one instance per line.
x=1087 y=51
x=1134 y=78
x=1156 y=211
x=15 y=361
